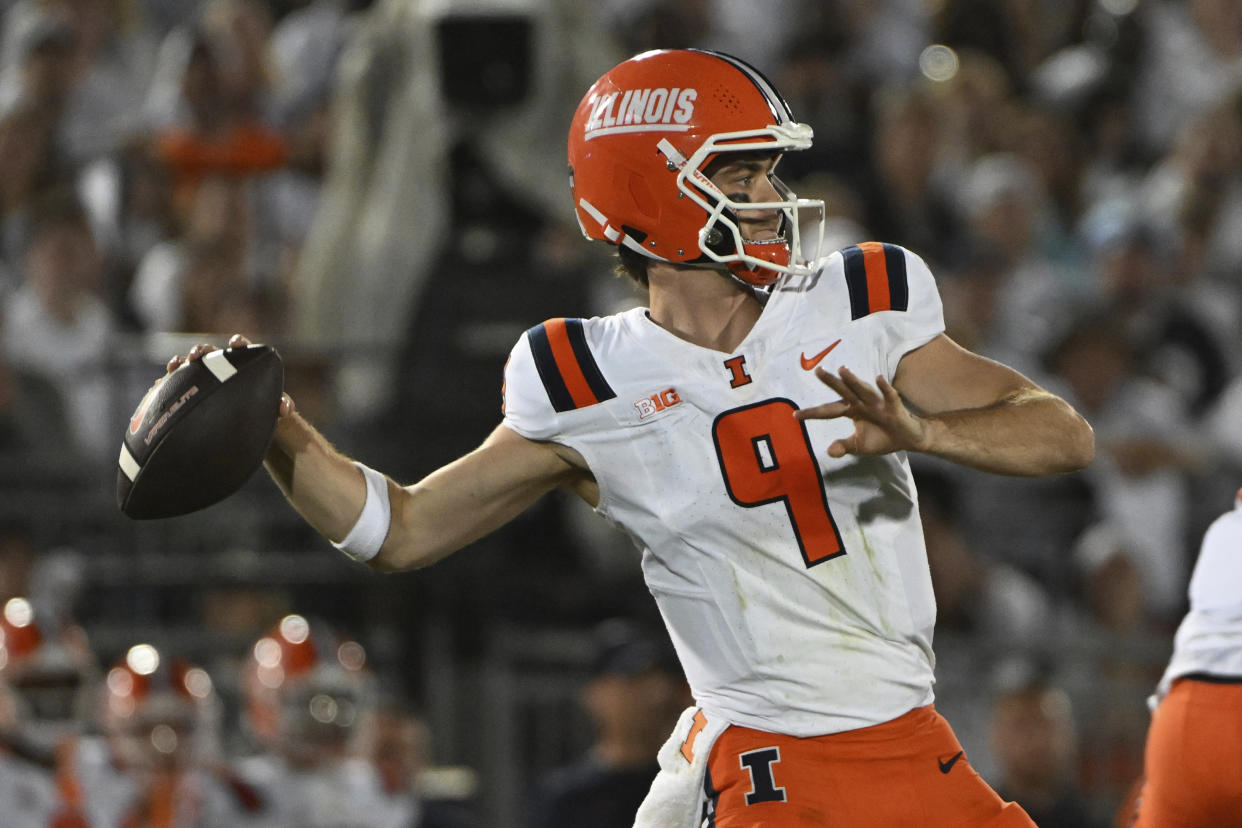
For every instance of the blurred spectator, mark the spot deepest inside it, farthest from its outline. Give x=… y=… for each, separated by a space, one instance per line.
x=634 y=696
x=642 y=24
x=108 y=70
x=40 y=65
x=757 y=34
x=1146 y=450
x=207 y=110
x=885 y=38
x=1191 y=60
x=305 y=48
x=1111 y=589
x=33 y=421
x=1133 y=268
x=972 y=301
x=1018 y=33
x=1035 y=739
x=1113 y=623
x=130 y=200
x=1194 y=196
x=31 y=159
x=1006 y=217
x=907 y=202
x=975 y=102
x=1048 y=139
x=205 y=279
x=817 y=81
x=1145 y=453
x=399 y=746
x=198 y=128
x=991 y=600
x=58 y=325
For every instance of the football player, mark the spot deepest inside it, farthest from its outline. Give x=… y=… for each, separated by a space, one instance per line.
x=157 y=759
x=47 y=673
x=749 y=429
x=1192 y=765
x=306 y=690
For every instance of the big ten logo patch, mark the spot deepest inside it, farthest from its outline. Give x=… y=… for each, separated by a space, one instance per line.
x=656 y=403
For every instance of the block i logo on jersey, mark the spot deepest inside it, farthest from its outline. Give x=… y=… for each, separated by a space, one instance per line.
x=657 y=402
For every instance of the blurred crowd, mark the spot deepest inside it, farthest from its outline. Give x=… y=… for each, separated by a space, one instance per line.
x=379 y=189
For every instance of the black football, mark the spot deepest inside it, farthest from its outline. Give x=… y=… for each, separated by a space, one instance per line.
x=200 y=432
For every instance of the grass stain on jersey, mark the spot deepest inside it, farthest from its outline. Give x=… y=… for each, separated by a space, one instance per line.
x=869 y=552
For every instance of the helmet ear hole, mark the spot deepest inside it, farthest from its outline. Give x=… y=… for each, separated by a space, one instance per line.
x=714 y=238
x=719 y=237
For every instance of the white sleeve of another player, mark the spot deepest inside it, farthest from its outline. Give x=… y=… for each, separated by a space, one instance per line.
x=923 y=319
x=527 y=409
x=1216 y=583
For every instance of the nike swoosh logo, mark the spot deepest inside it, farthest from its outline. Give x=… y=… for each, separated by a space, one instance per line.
x=810 y=362
x=945 y=767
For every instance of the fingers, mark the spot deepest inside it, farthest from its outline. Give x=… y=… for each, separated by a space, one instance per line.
x=200 y=351
x=827 y=411
x=865 y=394
x=286 y=405
x=855 y=393
x=840 y=448
x=196 y=353
x=887 y=391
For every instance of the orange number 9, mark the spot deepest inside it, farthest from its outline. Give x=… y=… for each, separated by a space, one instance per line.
x=766 y=457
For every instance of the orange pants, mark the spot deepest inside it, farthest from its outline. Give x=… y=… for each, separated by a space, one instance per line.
x=907 y=772
x=1193 y=760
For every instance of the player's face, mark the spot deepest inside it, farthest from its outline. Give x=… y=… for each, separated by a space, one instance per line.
x=748 y=178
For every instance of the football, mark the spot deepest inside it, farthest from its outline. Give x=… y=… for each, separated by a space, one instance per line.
x=200 y=432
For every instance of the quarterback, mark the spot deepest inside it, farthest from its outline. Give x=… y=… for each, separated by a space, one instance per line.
x=749 y=429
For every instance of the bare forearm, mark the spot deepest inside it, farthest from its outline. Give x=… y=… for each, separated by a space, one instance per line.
x=1029 y=434
x=323 y=485
x=445 y=511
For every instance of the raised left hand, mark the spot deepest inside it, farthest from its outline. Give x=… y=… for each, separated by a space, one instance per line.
x=882 y=421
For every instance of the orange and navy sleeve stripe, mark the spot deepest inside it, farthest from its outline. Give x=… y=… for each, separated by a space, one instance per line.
x=566 y=366
x=876 y=276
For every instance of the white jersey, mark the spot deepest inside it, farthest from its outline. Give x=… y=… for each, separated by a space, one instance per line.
x=113 y=796
x=28 y=795
x=1209 y=639
x=795 y=587
x=342 y=794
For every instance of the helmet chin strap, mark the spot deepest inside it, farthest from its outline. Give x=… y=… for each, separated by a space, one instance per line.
x=775 y=250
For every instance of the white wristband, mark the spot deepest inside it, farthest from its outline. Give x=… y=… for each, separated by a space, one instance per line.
x=364 y=541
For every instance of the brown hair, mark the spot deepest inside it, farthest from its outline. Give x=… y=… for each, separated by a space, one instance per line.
x=632 y=264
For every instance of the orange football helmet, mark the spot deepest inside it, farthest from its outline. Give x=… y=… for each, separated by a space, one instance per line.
x=638 y=145
x=306 y=689
x=46 y=675
x=159 y=711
